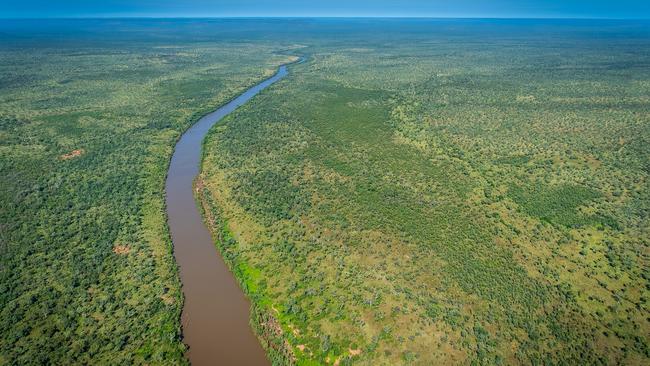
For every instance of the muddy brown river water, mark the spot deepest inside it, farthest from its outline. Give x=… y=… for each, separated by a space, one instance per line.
x=215 y=317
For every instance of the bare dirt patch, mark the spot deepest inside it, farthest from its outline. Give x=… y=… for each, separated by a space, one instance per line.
x=72 y=154
x=121 y=249
x=199 y=184
x=354 y=352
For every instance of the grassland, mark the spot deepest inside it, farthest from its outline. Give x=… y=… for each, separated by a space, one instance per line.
x=89 y=114
x=445 y=193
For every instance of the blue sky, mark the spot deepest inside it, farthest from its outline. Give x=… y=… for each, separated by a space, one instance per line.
x=420 y=8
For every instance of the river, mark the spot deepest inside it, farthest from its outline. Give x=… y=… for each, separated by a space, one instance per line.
x=215 y=318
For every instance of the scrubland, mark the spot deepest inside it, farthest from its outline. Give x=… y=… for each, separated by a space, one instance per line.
x=88 y=121
x=445 y=195
x=417 y=192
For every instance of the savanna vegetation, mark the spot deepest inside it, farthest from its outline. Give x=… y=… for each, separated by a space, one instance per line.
x=433 y=192
x=417 y=192
x=89 y=114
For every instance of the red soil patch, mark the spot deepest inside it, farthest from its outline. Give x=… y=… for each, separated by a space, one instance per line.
x=354 y=352
x=121 y=249
x=199 y=184
x=72 y=154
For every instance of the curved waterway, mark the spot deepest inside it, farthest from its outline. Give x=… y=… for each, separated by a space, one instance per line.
x=215 y=317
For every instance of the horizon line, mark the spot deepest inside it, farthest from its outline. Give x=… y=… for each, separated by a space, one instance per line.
x=152 y=17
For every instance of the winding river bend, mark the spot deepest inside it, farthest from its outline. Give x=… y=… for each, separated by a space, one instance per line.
x=215 y=315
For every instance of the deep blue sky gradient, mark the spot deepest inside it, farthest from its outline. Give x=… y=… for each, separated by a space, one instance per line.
x=327 y=8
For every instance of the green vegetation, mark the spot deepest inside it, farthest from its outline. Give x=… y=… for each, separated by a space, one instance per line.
x=87 y=127
x=445 y=193
x=418 y=192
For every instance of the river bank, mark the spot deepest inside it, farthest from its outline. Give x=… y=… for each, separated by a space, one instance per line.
x=215 y=317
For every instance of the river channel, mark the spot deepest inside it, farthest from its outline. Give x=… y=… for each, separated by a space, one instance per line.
x=215 y=318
